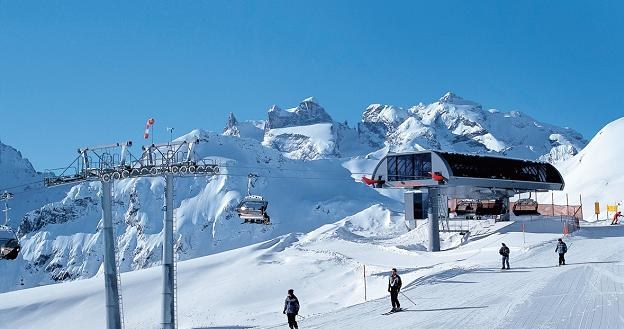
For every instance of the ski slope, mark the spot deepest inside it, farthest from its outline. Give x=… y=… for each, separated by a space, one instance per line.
x=535 y=293
x=462 y=286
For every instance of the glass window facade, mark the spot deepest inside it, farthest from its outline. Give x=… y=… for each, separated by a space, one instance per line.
x=409 y=167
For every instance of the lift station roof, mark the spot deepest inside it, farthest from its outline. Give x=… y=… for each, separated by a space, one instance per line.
x=464 y=174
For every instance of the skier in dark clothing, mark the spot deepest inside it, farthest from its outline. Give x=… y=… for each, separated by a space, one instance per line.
x=561 y=249
x=504 y=251
x=616 y=218
x=394 y=287
x=291 y=309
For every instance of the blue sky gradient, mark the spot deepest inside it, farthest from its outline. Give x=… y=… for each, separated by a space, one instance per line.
x=79 y=73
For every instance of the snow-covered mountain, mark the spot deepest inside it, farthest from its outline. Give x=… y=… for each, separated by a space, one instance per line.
x=597 y=172
x=300 y=155
x=62 y=240
x=451 y=124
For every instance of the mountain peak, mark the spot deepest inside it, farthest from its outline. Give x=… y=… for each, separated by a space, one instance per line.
x=306 y=113
x=450 y=97
x=274 y=108
x=232 y=120
x=231 y=127
x=454 y=99
x=310 y=99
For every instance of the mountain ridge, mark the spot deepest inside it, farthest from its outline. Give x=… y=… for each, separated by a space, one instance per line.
x=451 y=123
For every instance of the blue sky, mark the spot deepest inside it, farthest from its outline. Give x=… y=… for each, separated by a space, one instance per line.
x=79 y=73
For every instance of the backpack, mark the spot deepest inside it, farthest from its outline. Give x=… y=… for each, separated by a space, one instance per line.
x=564 y=248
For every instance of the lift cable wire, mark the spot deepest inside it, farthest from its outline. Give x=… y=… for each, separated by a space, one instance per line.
x=40 y=182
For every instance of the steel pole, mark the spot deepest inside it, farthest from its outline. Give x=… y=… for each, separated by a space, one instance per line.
x=113 y=314
x=434 y=221
x=168 y=311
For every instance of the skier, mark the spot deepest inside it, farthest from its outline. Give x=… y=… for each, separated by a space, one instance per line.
x=394 y=287
x=504 y=251
x=561 y=249
x=616 y=218
x=291 y=309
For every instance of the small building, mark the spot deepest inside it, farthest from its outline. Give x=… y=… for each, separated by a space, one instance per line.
x=447 y=175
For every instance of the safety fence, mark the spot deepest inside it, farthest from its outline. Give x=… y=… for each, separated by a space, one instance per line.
x=570 y=215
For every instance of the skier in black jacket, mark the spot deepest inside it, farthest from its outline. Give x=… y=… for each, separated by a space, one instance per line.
x=561 y=249
x=394 y=287
x=504 y=251
x=291 y=309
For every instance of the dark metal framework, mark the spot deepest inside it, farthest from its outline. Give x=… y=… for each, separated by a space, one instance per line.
x=115 y=161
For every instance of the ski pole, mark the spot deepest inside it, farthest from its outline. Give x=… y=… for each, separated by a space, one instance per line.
x=409 y=299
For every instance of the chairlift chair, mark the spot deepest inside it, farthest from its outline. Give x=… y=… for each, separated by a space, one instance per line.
x=525 y=207
x=465 y=207
x=491 y=208
x=253 y=207
x=9 y=244
x=253 y=210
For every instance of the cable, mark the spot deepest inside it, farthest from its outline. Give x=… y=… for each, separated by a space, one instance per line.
x=189 y=175
x=21 y=185
x=225 y=174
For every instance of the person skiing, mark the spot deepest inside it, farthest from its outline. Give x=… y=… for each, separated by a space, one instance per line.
x=291 y=309
x=616 y=217
x=561 y=249
x=504 y=251
x=394 y=287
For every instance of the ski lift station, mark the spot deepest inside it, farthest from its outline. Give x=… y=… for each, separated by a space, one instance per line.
x=431 y=178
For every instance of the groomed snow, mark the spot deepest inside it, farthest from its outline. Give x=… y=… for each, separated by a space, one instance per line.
x=460 y=287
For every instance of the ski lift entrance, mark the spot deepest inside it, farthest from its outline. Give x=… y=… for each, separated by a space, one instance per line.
x=253 y=207
x=490 y=180
x=9 y=244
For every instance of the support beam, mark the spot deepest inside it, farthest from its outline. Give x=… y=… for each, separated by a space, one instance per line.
x=113 y=314
x=168 y=311
x=433 y=243
x=506 y=216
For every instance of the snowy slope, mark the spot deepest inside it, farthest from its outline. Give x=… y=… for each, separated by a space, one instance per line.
x=597 y=172
x=459 y=287
x=303 y=142
x=62 y=240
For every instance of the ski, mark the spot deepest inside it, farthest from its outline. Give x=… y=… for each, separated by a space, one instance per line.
x=395 y=311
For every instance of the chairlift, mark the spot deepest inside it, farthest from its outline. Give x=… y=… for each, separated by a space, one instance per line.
x=252 y=209
x=9 y=244
x=467 y=206
x=491 y=208
x=525 y=207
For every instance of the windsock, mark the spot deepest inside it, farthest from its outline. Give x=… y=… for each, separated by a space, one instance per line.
x=148 y=125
